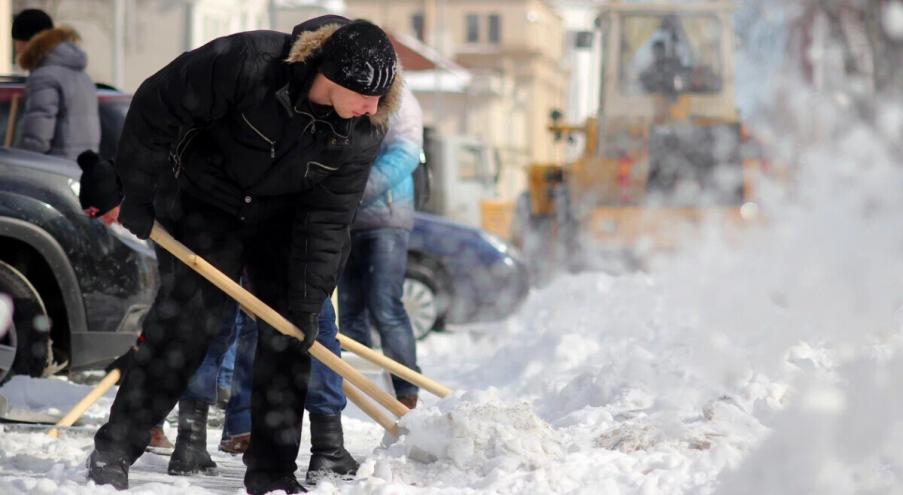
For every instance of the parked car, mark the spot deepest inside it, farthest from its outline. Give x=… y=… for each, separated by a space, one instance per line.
x=91 y=285
x=460 y=274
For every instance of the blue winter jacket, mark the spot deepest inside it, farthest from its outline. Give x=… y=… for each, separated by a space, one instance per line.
x=389 y=197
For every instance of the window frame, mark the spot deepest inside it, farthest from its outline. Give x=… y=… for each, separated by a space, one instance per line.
x=472 y=28
x=494 y=36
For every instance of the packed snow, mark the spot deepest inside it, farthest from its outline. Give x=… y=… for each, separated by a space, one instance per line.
x=763 y=359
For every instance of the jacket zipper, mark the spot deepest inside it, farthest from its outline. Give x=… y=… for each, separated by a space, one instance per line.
x=327 y=167
x=271 y=142
x=180 y=149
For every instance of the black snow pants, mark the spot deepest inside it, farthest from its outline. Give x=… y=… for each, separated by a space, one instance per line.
x=188 y=312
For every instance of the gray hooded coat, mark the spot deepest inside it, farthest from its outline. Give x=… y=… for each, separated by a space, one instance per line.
x=60 y=116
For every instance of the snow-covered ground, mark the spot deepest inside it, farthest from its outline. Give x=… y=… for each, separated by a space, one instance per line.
x=765 y=361
x=760 y=361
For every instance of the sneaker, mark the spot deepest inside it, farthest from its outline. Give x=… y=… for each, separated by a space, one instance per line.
x=409 y=401
x=105 y=469
x=236 y=444
x=159 y=444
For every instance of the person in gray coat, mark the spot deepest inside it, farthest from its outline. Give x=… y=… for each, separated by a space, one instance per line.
x=60 y=116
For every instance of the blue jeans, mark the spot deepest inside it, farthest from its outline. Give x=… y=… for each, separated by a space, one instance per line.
x=324 y=390
x=238 y=331
x=239 y=335
x=371 y=287
x=226 y=368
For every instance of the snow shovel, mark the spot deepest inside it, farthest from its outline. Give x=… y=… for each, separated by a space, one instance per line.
x=262 y=311
x=394 y=367
x=77 y=410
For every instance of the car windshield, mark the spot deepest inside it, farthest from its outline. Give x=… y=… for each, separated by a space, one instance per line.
x=670 y=54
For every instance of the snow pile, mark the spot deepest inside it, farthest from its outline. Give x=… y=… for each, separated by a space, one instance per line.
x=838 y=437
x=477 y=433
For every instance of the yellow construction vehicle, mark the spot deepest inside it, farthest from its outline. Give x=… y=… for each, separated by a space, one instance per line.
x=665 y=149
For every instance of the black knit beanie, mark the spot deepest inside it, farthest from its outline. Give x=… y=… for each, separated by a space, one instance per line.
x=360 y=57
x=30 y=22
x=99 y=183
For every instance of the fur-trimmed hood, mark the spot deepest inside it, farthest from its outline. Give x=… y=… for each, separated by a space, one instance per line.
x=43 y=44
x=306 y=50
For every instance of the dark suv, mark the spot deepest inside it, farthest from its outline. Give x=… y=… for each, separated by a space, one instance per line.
x=86 y=284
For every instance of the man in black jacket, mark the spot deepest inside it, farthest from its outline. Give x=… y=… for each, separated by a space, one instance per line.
x=253 y=151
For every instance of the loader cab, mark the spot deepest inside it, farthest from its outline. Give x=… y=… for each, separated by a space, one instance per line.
x=667 y=130
x=659 y=56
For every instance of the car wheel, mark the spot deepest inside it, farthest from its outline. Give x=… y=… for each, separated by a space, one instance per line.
x=422 y=300
x=25 y=345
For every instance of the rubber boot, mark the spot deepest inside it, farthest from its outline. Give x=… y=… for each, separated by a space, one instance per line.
x=327 y=448
x=190 y=455
x=260 y=483
x=108 y=469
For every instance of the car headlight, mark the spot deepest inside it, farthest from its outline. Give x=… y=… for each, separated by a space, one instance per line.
x=123 y=234
x=510 y=254
x=75 y=186
x=498 y=244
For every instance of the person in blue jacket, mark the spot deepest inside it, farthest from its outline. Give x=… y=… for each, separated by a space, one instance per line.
x=371 y=285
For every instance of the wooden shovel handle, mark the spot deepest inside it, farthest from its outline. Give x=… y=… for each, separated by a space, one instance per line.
x=364 y=404
x=394 y=367
x=254 y=305
x=96 y=393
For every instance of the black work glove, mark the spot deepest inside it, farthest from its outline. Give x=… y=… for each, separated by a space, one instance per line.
x=100 y=191
x=137 y=216
x=309 y=323
x=122 y=363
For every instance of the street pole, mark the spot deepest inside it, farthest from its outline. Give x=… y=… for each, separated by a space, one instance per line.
x=6 y=46
x=440 y=46
x=119 y=43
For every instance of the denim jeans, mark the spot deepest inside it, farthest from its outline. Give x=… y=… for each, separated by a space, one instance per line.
x=239 y=336
x=226 y=368
x=324 y=390
x=371 y=287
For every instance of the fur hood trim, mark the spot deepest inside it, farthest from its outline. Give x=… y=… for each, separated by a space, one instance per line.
x=43 y=43
x=306 y=49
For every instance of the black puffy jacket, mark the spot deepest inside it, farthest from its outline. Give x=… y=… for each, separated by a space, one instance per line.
x=232 y=122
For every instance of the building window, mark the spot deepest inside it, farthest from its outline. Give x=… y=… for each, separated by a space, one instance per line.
x=473 y=28
x=417 y=25
x=583 y=39
x=495 y=28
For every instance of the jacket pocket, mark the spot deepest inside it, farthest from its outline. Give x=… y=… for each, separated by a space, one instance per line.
x=316 y=171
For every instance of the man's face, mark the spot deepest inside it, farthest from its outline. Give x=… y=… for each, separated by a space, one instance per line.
x=349 y=104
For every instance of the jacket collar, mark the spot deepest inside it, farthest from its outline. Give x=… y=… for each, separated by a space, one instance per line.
x=43 y=43
x=306 y=50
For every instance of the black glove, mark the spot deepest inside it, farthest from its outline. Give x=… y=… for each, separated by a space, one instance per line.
x=122 y=363
x=309 y=323
x=137 y=216
x=100 y=189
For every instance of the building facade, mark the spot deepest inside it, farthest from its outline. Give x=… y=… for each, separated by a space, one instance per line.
x=128 y=40
x=511 y=47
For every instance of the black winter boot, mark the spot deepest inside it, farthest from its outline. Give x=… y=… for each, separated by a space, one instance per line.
x=107 y=469
x=190 y=455
x=259 y=483
x=327 y=448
